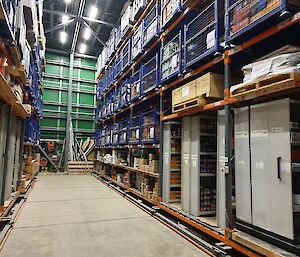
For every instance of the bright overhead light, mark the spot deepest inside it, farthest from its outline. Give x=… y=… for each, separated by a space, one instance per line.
x=64 y=18
x=93 y=12
x=63 y=36
x=86 y=34
x=82 y=48
x=68 y=1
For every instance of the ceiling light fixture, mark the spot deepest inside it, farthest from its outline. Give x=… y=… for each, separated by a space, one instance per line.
x=82 y=48
x=68 y=1
x=63 y=36
x=93 y=12
x=64 y=18
x=86 y=34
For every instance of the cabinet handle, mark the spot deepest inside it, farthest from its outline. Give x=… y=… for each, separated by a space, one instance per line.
x=278 y=168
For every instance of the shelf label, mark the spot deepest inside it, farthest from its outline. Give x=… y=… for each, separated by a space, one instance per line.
x=278 y=129
x=259 y=133
x=185 y=91
x=241 y=134
x=223 y=159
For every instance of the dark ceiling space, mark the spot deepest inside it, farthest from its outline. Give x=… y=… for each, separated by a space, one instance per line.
x=108 y=11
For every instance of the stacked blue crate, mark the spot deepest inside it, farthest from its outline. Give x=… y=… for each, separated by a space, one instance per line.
x=202 y=36
x=110 y=76
x=150 y=127
x=135 y=85
x=123 y=132
x=110 y=103
x=151 y=25
x=98 y=138
x=134 y=131
x=137 y=43
x=125 y=93
x=169 y=9
x=126 y=55
x=108 y=134
x=117 y=66
x=32 y=130
x=245 y=18
x=117 y=98
x=150 y=73
x=170 y=57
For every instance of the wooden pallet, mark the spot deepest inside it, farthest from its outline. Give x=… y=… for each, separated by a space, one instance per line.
x=195 y=102
x=267 y=81
x=80 y=167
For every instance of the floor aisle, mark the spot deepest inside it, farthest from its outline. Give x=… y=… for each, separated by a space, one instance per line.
x=78 y=216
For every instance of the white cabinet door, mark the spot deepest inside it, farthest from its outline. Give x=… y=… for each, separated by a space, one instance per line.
x=242 y=165
x=260 y=166
x=279 y=173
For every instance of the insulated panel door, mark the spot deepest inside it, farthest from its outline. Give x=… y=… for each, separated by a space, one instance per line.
x=242 y=165
x=260 y=164
x=195 y=166
x=185 y=163
x=279 y=172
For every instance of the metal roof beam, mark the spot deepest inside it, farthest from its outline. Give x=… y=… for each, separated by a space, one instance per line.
x=60 y=25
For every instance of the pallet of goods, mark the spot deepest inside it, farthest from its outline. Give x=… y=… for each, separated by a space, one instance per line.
x=199 y=92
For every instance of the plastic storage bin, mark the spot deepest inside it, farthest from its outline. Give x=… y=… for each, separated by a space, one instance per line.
x=137 y=8
x=126 y=20
x=125 y=93
x=245 y=18
x=126 y=55
x=111 y=44
x=135 y=85
x=118 y=35
x=108 y=135
x=203 y=34
x=137 y=43
x=151 y=25
x=134 y=130
x=110 y=76
x=170 y=56
x=150 y=127
x=150 y=73
x=117 y=98
x=123 y=132
x=98 y=138
x=168 y=10
x=109 y=103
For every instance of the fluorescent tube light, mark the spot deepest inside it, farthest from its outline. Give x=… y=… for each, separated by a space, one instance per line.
x=93 y=12
x=63 y=36
x=82 y=48
x=68 y=1
x=86 y=34
x=64 y=18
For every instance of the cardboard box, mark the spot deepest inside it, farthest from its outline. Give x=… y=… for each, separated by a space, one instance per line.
x=209 y=85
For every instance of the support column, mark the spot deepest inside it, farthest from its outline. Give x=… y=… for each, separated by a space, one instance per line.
x=21 y=157
x=69 y=115
x=161 y=143
x=228 y=144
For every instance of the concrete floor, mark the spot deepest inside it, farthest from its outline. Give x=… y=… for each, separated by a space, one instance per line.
x=78 y=216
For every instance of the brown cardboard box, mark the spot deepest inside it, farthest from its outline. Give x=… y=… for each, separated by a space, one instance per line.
x=209 y=85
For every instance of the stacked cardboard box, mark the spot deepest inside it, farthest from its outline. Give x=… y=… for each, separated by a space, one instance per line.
x=149 y=165
x=31 y=168
x=207 y=199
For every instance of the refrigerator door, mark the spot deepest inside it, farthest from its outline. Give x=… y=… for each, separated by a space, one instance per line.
x=242 y=165
x=279 y=173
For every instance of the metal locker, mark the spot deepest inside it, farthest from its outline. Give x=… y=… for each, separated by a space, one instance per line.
x=185 y=163
x=166 y=162
x=221 y=190
x=242 y=165
x=195 y=166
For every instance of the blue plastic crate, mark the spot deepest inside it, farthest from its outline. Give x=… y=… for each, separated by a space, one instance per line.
x=202 y=35
x=135 y=85
x=169 y=9
x=151 y=25
x=137 y=43
x=117 y=98
x=115 y=134
x=118 y=35
x=246 y=18
x=150 y=73
x=108 y=135
x=170 y=58
x=98 y=138
x=134 y=131
x=126 y=55
x=123 y=132
x=117 y=66
x=32 y=130
x=109 y=103
x=110 y=76
x=150 y=127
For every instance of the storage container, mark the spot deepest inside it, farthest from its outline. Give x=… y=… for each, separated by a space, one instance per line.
x=151 y=25
x=134 y=130
x=135 y=85
x=126 y=54
x=137 y=42
x=117 y=98
x=111 y=44
x=150 y=73
x=117 y=66
x=98 y=138
x=125 y=93
x=109 y=103
x=202 y=35
x=123 y=131
x=170 y=63
x=150 y=127
x=108 y=135
x=168 y=10
x=126 y=20
x=138 y=7
x=246 y=18
x=118 y=35
x=110 y=76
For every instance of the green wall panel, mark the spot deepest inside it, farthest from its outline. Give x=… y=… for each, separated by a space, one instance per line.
x=52 y=69
x=86 y=99
x=85 y=125
x=50 y=107
x=63 y=123
x=88 y=62
x=65 y=72
x=49 y=122
x=87 y=74
x=51 y=95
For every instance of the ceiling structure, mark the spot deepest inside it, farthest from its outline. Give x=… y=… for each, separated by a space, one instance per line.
x=108 y=15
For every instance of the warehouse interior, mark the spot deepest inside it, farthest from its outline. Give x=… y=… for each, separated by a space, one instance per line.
x=149 y=128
